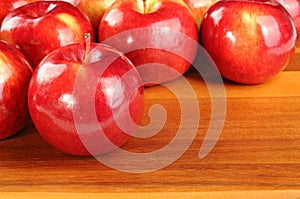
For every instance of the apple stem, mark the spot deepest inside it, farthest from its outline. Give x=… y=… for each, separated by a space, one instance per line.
x=87 y=37
x=145 y=5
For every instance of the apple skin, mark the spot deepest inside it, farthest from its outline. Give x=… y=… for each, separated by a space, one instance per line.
x=8 y=5
x=94 y=9
x=199 y=8
x=41 y=27
x=127 y=15
x=52 y=100
x=249 y=41
x=293 y=8
x=15 y=74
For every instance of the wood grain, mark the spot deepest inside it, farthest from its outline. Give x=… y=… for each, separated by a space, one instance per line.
x=256 y=156
x=294 y=62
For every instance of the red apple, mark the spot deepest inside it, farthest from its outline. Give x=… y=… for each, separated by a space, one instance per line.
x=8 y=5
x=41 y=27
x=199 y=8
x=94 y=9
x=250 y=41
x=293 y=8
x=157 y=20
x=15 y=74
x=71 y=85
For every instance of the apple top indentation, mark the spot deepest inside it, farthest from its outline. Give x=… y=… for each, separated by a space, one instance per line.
x=37 y=13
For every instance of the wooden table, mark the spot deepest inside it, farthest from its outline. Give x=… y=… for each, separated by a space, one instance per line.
x=257 y=154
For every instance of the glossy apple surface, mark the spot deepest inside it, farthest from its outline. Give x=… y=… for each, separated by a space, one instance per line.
x=163 y=16
x=199 y=8
x=60 y=92
x=250 y=41
x=15 y=74
x=8 y=5
x=293 y=8
x=40 y=27
x=94 y=9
